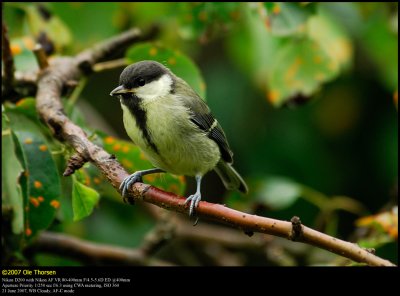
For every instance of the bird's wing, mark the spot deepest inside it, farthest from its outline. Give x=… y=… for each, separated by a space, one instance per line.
x=202 y=117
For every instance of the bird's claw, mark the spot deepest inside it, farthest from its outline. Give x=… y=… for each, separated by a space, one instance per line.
x=194 y=200
x=128 y=181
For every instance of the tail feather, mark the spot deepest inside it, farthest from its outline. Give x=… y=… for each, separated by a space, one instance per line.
x=231 y=178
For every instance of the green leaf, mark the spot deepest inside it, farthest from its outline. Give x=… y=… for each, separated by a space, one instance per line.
x=375 y=242
x=284 y=19
x=251 y=47
x=24 y=58
x=300 y=68
x=177 y=62
x=277 y=192
x=53 y=27
x=11 y=170
x=97 y=20
x=42 y=183
x=203 y=20
x=332 y=39
x=84 y=199
x=27 y=107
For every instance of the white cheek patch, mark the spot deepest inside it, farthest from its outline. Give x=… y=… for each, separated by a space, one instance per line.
x=155 y=89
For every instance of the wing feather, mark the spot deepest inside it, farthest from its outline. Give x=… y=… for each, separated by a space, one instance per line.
x=202 y=117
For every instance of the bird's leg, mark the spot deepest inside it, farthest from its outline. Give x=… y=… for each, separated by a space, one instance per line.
x=136 y=177
x=194 y=198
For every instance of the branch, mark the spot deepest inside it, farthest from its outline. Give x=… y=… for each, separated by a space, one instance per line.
x=159 y=236
x=41 y=56
x=109 y=65
x=180 y=227
x=252 y=223
x=204 y=233
x=8 y=62
x=50 y=109
x=92 y=253
x=26 y=78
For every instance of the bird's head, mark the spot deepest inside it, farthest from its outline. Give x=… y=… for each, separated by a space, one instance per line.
x=147 y=80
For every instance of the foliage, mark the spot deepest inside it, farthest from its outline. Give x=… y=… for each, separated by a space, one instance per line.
x=331 y=158
x=174 y=60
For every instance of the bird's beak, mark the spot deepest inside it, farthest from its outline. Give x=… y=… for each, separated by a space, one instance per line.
x=119 y=90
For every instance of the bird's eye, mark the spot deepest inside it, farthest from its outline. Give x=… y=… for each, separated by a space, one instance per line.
x=141 y=82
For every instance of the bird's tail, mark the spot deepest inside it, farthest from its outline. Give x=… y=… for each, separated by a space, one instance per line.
x=231 y=179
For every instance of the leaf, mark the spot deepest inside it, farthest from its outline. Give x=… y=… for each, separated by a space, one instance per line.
x=284 y=19
x=300 y=64
x=332 y=39
x=97 y=20
x=42 y=183
x=386 y=222
x=203 y=20
x=27 y=107
x=21 y=49
x=11 y=170
x=277 y=192
x=178 y=63
x=304 y=62
x=43 y=23
x=300 y=68
x=251 y=47
x=84 y=199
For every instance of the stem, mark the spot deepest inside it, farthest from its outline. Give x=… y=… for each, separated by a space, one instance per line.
x=76 y=93
x=78 y=249
x=109 y=65
x=41 y=57
x=8 y=61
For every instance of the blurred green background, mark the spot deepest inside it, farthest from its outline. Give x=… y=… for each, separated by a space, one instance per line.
x=306 y=94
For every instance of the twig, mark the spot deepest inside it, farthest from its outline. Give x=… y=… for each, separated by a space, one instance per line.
x=41 y=56
x=23 y=78
x=161 y=234
x=220 y=234
x=99 y=67
x=88 y=252
x=86 y=59
x=74 y=163
x=50 y=109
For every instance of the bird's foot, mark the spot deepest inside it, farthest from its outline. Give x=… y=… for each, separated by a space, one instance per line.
x=128 y=181
x=194 y=201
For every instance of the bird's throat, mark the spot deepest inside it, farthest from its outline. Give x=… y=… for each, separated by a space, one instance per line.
x=134 y=105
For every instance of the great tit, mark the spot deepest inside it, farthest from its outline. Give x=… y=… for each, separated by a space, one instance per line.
x=173 y=127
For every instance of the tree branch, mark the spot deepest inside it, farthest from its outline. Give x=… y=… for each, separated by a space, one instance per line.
x=41 y=56
x=109 y=65
x=8 y=62
x=160 y=235
x=50 y=109
x=88 y=252
x=253 y=223
x=220 y=234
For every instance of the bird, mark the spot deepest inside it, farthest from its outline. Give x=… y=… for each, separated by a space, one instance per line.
x=174 y=128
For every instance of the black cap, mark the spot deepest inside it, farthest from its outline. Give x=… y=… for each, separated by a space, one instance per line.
x=147 y=70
